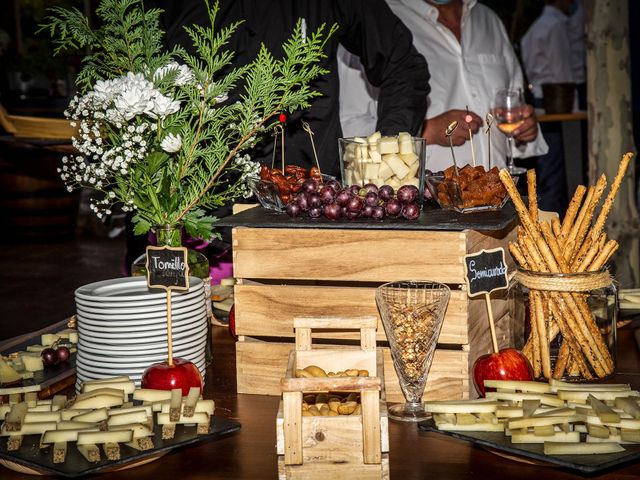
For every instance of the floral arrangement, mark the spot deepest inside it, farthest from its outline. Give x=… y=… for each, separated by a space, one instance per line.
x=157 y=131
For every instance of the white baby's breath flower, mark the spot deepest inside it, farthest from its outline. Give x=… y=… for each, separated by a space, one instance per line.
x=171 y=143
x=184 y=74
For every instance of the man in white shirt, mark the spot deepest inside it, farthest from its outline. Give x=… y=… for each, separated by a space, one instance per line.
x=470 y=59
x=577 y=35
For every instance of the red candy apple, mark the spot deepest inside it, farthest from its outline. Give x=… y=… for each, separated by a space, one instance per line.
x=507 y=364
x=182 y=374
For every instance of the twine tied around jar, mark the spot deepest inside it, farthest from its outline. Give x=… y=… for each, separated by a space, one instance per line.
x=577 y=282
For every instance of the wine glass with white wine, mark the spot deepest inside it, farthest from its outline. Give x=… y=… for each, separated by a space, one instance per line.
x=507 y=110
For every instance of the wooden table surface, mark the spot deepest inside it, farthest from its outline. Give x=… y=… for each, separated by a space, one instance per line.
x=250 y=453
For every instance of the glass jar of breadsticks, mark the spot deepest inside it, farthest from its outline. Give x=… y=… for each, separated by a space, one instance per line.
x=572 y=302
x=571 y=324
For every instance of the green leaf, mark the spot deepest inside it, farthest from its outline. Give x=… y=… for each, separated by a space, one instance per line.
x=156 y=160
x=140 y=225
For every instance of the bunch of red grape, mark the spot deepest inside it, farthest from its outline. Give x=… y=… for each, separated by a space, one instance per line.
x=332 y=201
x=52 y=356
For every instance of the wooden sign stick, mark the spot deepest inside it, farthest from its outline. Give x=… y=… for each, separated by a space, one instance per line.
x=169 y=335
x=492 y=324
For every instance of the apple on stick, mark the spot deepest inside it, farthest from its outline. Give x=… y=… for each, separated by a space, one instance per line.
x=486 y=272
x=175 y=372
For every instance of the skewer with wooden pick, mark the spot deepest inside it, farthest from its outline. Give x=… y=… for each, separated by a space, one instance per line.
x=489 y=120
x=468 y=118
x=448 y=132
x=307 y=128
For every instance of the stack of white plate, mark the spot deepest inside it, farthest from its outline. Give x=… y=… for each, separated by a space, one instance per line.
x=122 y=327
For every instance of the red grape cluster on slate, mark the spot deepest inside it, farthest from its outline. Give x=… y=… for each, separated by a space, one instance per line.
x=52 y=356
x=332 y=201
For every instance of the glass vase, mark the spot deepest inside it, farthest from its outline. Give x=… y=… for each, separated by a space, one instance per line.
x=577 y=315
x=412 y=313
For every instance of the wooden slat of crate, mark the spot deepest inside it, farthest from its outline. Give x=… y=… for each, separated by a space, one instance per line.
x=348 y=255
x=260 y=364
x=268 y=310
x=322 y=471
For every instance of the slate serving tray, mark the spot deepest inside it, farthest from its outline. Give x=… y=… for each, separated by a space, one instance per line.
x=585 y=464
x=75 y=465
x=53 y=377
x=431 y=218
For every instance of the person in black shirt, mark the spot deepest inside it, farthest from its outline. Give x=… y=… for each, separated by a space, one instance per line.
x=366 y=28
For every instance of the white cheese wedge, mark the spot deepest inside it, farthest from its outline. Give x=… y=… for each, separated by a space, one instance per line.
x=104 y=390
x=539 y=421
x=99 y=401
x=97 y=438
x=69 y=413
x=151 y=395
x=375 y=156
x=32 y=362
x=53 y=436
x=140 y=408
x=127 y=386
x=73 y=425
x=201 y=406
x=125 y=418
x=8 y=374
x=200 y=417
x=611 y=439
x=371 y=170
x=409 y=159
x=519 y=397
x=374 y=138
x=581 y=396
x=139 y=430
x=476 y=427
x=462 y=406
x=49 y=338
x=97 y=415
x=557 y=437
x=405 y=147
x=30 y=429
x=121 y=378
x=577 y=448
x=396 y=164
x=34 y=417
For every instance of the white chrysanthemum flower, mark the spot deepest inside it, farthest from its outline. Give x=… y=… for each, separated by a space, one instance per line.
x=162 y=107
x=184 y=73
x=171 y=143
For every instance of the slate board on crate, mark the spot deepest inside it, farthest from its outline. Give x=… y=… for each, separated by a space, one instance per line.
x=430 y=219
x=75 y=465
x=585 y=464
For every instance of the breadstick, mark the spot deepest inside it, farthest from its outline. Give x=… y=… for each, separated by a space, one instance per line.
x=556 y=226
x=591 y=253
x=543 y=339
x=561 y=361
x=568 y=249
x=598 y=191
x=571 y=236
x=603 y=257
x=592 y=327
x=553 y=245
x=573 y=369
x=536 y=363
x=606 y=207
x=517 y=255
x=533 y=196
x=572 y=210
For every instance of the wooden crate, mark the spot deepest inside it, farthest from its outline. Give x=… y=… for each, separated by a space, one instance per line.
x=345 y=446
x=284 y=273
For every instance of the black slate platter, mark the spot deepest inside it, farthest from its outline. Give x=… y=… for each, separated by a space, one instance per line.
x=585 y=464
x=75 y=465
x=430 y=219
x=52 y=373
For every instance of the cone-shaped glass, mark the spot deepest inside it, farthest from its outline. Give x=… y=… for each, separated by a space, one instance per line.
x=412 y=313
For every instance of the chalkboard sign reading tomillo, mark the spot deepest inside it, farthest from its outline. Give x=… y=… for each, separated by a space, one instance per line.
x=485 y=272
x=167 y=268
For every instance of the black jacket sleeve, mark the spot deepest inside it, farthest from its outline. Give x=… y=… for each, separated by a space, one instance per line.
x=370 y=30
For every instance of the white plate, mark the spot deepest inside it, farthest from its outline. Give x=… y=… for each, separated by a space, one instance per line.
x=98 y=339
x=126 y=289
x=123 y=326
x=104 y=364
x=158 y=348
x=104 y=358
x=179 y=314
x=157 y=303
x=136 y=331
x=133 y=373
x=159 y=309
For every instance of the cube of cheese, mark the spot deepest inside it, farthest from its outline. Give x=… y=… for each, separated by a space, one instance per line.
x=394 y=183
x=388 y=145
x=413 y=170
x=32 y=362
x=362 y=152
x=385 y=171
x=373 y=139
x=409 y=158
x=49 y=338
x=399 y=168
x=412 y=181
x=371 y=170
x=375 y=156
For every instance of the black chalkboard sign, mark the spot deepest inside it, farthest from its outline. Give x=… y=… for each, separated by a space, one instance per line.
x=485 y=272
x=167 y=268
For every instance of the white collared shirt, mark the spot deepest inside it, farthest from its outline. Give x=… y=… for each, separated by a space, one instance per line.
x=546 y=50
x=463 y=74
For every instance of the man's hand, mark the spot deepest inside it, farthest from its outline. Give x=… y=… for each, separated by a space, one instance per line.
x=528 y=131
x=434 y=128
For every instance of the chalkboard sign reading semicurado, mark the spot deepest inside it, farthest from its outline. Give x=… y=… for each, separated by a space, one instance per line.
x=167 y=268
x=485 y=271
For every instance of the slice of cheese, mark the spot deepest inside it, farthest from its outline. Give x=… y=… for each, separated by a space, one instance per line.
x=578 y=448
x=96 y=438
x=72 y=425
x=99 y=401
x=49 y=339
x=150 y=395
x=201 y=406
x=121 y=378
x=200 y=417
x=34 y=417
x=139 y=430
x=119 y=411
x=388 y=145
x=8 y=374
x=32 y=362
x=125 y=418
x=127 y=386
x=53 y=436
x=30 y=429
x=396 y=164
x=69 y=413
x=557 y=437
x=97 y=415
x=91 y=453
x=103 y=390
